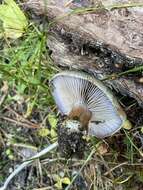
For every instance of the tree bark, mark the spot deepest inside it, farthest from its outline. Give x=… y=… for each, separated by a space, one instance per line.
x=102 y=37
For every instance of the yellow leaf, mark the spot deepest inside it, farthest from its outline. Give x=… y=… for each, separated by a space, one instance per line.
x=127 y=125
x=43 y=132
x=52 y=120
x=14 y=20
x=30 y=106
x=58 y=185
x=53 y=133
x=66 y=180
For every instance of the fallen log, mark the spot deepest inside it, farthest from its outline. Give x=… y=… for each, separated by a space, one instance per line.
x=104 y=38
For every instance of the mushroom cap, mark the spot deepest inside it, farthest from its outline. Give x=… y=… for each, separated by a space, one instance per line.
x=73 y=88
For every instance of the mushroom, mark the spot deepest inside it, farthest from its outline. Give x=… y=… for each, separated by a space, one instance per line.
x=84 y=98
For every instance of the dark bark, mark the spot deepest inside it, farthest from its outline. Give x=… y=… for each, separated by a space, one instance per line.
x=103 y=42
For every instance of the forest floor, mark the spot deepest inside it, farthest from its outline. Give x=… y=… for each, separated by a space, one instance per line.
x=28 y=120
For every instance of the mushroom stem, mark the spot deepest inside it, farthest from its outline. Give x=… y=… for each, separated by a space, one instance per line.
x=81 y=114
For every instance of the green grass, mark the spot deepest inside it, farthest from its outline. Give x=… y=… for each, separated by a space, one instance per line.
x=27 y=67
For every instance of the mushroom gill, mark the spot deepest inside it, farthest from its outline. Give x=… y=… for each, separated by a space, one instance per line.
x=83 y=97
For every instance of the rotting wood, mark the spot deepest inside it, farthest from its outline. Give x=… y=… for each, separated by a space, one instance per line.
x=102 y=42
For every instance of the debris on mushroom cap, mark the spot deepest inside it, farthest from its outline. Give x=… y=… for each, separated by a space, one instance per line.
x=76 y=89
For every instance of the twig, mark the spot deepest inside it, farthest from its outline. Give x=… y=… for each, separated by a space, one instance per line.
x=26 y=163
x=112 y=169
x=4 y=89
x=104 y=162
x=2 y=99
x=43 y=188
x=106 y=166
x=86 y=161
x=115 y=76
x=21 y=118
x=28 y=125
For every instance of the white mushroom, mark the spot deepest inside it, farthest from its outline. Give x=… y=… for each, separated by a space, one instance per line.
x=83 y=97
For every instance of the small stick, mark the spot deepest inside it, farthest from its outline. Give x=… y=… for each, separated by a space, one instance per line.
x=27 y=125
x=20 y=118
x=84 y=164
x=4 y=89
x=26 y=163
x=112 y=169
